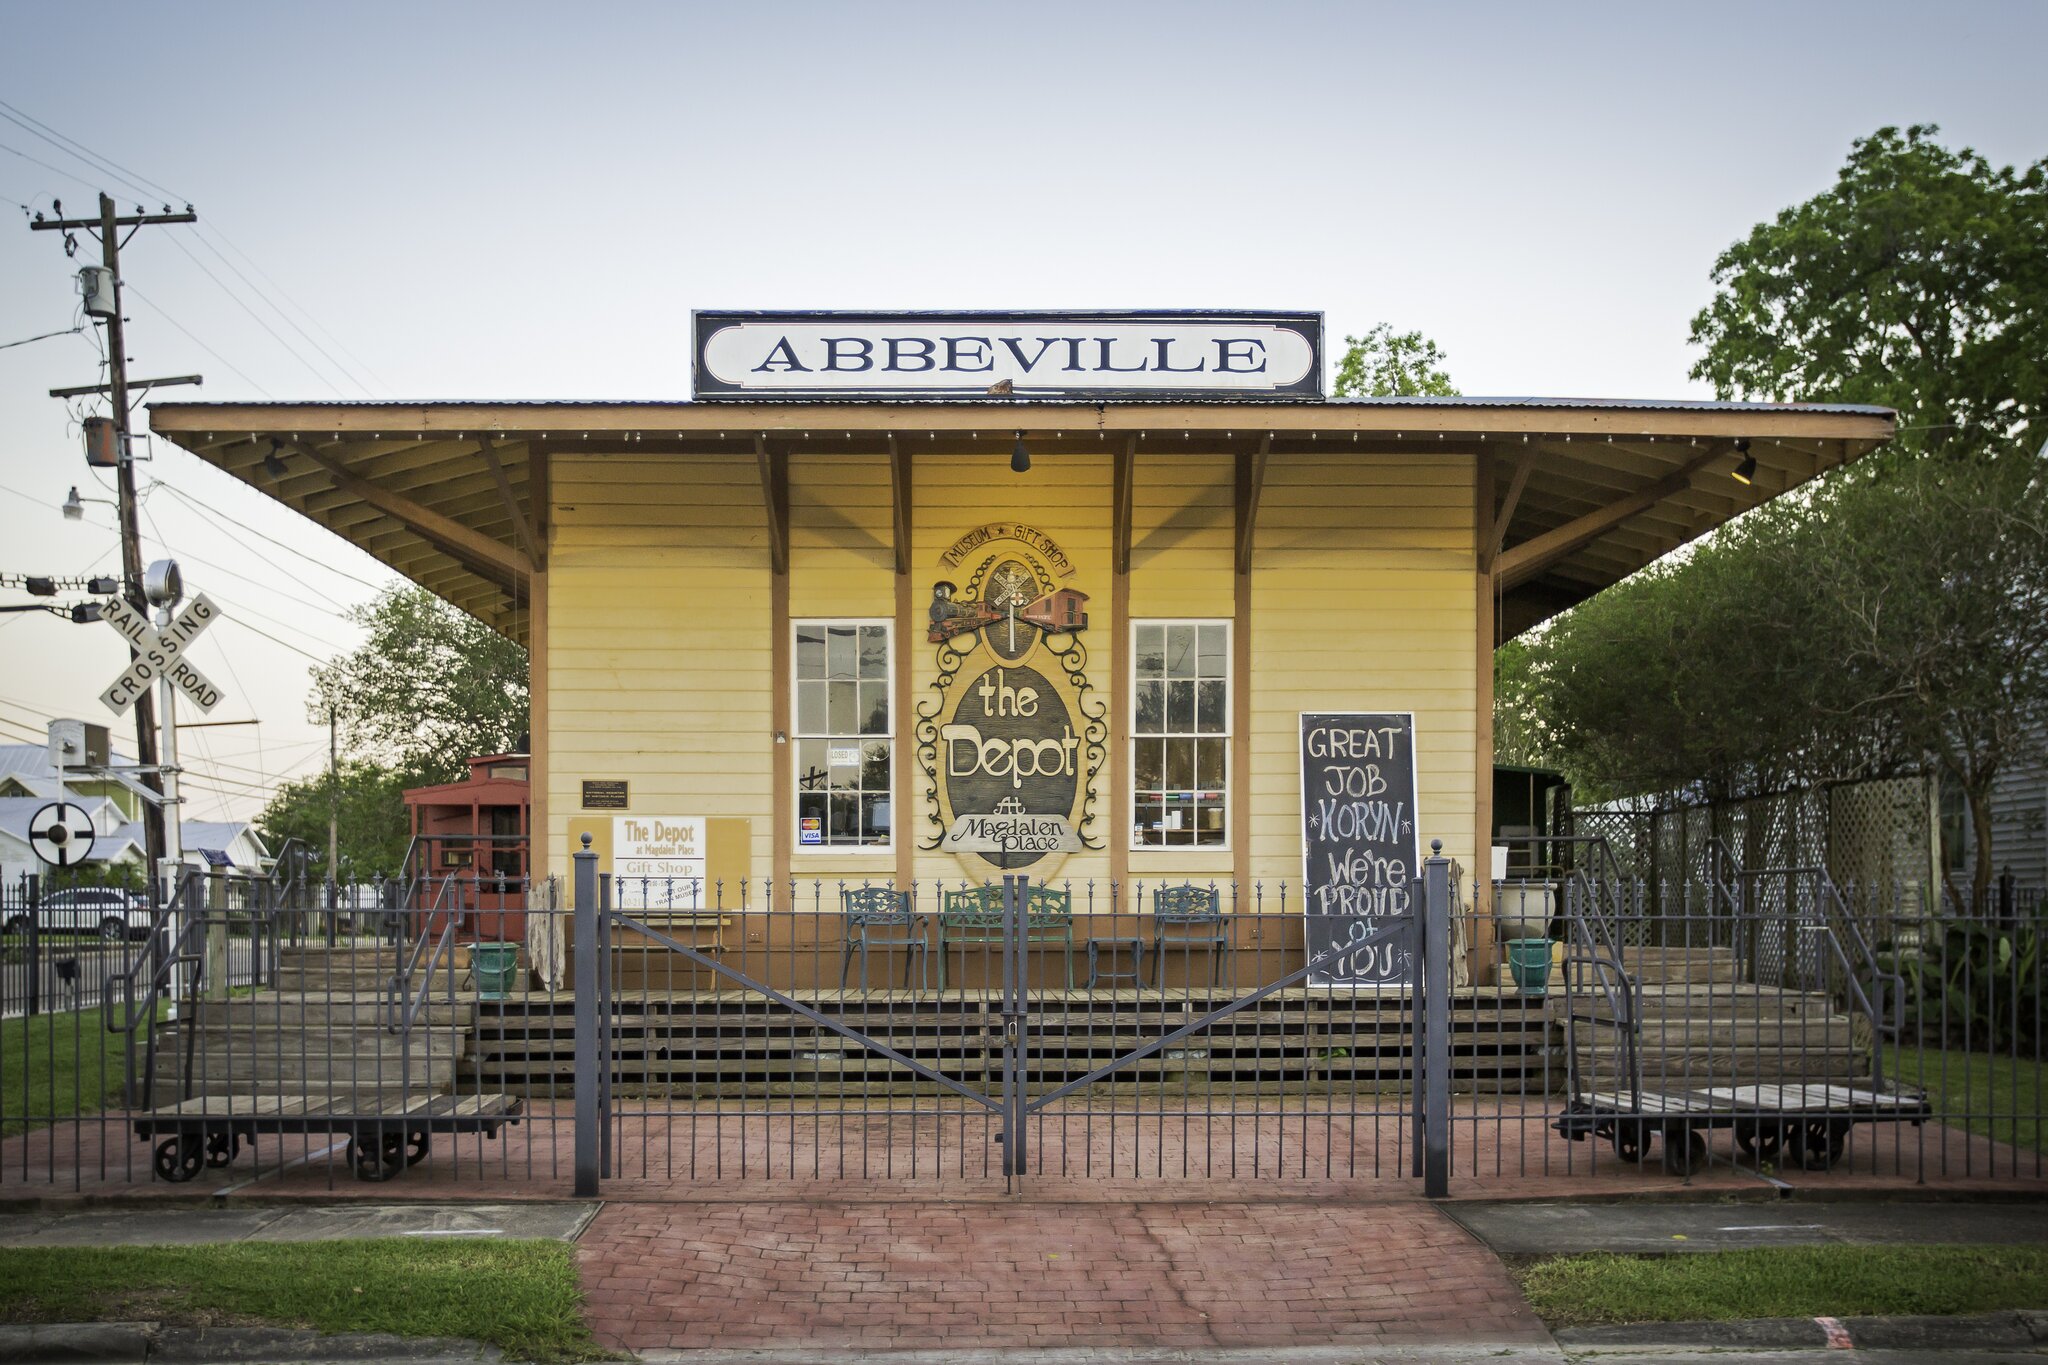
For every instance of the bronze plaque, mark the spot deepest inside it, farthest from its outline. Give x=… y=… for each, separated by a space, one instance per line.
x=604 y=794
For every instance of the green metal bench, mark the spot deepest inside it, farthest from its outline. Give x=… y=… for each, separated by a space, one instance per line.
x=974 y=914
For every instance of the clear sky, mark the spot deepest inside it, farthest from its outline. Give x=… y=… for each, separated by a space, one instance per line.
x=526 y=201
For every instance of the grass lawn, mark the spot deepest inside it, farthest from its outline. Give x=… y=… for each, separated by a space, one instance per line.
x=1784 y=1282
x=1959 y=1082
x=54 y=1066
x=521 y=1296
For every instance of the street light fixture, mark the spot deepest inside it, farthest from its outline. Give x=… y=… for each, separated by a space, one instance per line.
x=74 y=506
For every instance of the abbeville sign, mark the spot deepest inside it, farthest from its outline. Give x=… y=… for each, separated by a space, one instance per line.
x=1009 y=355
x=1011 y=737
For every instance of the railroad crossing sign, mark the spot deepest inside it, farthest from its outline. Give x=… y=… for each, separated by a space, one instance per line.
x=60 y=834
x=161 y=653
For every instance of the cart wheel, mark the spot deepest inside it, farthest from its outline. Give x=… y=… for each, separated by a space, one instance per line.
x=222 y=1148
x=416 y=1144
x=1759 y=1139
x=178 y=1159
x=1818 y=1143
x=1628 y=1142
x=1685 y=1151
x=377 y=1156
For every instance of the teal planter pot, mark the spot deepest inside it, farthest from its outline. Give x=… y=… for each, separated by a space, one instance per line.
x=1529 y=963
x=495 y=968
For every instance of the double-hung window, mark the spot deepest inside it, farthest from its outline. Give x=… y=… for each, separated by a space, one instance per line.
x=845 y=735
x=1180 y=734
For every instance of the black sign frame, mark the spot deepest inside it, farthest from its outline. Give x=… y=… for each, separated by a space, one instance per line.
x=706 y=322
x=1344 y=836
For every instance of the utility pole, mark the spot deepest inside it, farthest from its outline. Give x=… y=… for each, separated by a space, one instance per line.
x=108 y=225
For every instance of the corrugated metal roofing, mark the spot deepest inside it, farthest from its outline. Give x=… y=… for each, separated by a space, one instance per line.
x=1246 y=400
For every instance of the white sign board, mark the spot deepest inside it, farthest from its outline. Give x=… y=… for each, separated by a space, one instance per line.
x=60 y=834
x=1004 y=355
x=161 y=653
x=658 y=861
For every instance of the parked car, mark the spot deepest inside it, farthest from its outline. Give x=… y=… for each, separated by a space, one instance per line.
x=108 y=911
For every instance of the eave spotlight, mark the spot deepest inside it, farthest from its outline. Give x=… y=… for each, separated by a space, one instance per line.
x=1020 y=458
x=273 y=466
x=1744 y=472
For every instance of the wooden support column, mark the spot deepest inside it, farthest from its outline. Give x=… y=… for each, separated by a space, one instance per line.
x=1250 y=483
x=541 y=853
x=781 y=745
x=902 y=798
x=1122 y=483
x=1488 y=529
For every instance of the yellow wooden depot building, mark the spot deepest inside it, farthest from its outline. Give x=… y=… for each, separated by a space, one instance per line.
x=761 y=609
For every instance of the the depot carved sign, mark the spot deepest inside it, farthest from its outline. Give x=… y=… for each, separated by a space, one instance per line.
x=1011 y=736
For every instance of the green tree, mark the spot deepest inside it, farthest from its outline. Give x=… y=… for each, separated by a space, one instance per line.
x=373 y=831
x=1920 y=281
x=1388 y=364
x=429 y=689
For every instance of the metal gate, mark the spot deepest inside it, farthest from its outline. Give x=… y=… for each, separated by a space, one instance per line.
x=1033 y=1058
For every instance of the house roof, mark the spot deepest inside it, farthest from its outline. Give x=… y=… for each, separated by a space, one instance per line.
x=31 y=763
x=1592 y=489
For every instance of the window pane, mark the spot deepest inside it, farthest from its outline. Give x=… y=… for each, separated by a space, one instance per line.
x=1147 y=765
x=1214 y=664
x=1180 y=708
x=1180 y=651
x=1180 y=824
x=810 y=806
x=874 y=818
x=874 y=768
x=1148 y=822
x=810 y=708
x=1209 y=828
x=1209 y=711
x=1151 y=717
x=1209 y=763
x=839 y=651
x=810 y=651
x=874 y=652
x=874 y=708
x=843 y=758
x=844 y=824
x=845 y=710
x=1149 y=651
x=811 y=771
x=1180 y=764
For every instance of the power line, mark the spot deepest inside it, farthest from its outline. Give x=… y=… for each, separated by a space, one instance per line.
x=161 y=312
x=81 y=152
x=257 y=317
x=208 y=513
x=214 y=230
x=45 y=165
x=68 y=332
x=310 y=340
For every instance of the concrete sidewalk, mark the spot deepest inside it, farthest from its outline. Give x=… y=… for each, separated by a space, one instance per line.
x=1542 y=1229
x=294 y=1223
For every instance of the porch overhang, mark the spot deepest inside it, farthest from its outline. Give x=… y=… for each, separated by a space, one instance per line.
x=452 y=494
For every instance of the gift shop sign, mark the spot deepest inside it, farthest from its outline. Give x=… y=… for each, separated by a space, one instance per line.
x=658 y=861
x=1008 y=355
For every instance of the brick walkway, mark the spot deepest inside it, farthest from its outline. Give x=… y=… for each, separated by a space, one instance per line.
x=919 y=1275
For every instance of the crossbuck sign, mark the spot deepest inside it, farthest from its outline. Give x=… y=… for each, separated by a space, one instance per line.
x=160 y=653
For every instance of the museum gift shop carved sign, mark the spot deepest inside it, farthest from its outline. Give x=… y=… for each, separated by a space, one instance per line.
x=1008 y=355
x=1010 y=737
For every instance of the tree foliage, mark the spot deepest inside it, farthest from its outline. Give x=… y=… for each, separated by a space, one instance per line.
x=428 y=689
x=1388 y=364
x=1893 y=616
x=373 y=827
x=1917 y=282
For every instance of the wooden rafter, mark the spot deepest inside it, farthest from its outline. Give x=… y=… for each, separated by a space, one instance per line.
x=499 y=562
x=520 y=523
x=1506 y=515
x=1533 y=556
x=1251 y=483
x=775 y=496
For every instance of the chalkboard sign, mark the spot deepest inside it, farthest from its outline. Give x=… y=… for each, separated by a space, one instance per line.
x=1362 y=860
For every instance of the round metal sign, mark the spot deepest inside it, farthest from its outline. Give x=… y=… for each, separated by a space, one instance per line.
x=61 y=834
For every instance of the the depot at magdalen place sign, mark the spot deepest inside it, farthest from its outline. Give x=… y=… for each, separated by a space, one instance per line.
x=1009 y=355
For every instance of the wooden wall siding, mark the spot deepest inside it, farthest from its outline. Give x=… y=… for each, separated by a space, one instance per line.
x=658 y=639
x=1363 y=598
x=659 y=642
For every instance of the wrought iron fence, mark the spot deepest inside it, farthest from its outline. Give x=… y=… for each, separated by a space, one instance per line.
x=824 y=1030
